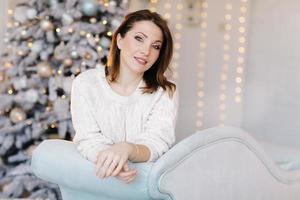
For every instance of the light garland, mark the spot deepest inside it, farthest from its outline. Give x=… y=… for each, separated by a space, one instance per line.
x=201 y=65
x=226 y=61
x=177 y=39
x=241 y=51
x=153 y=5
x=167 y=10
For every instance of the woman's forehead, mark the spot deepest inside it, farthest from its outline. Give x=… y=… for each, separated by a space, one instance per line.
x=148 y=28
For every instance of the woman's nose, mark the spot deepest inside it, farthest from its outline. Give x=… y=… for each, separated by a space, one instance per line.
x=145 y=50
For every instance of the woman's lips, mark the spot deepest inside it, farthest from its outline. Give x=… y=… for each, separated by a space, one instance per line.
x=141 y=61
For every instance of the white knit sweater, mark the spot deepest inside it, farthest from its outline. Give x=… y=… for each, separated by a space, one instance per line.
x=102 y=117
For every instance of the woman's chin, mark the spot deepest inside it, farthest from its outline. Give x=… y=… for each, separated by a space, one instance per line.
x=139 y=69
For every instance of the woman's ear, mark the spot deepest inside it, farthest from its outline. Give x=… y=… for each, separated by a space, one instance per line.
x=119 y=41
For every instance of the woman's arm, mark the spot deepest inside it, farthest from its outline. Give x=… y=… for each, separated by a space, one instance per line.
x=159 y=129
x=88 y=137
x=157 y=138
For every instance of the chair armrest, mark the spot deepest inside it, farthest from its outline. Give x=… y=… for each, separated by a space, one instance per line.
x=183 y=152
x=286 y=157
x=59 y=162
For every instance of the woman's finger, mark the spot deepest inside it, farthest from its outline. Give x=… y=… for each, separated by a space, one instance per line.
x=130 y=179
x=120 y=178
x=127 y=174
x=119 y=167
x=104 y=167
x=100 y=160
x=112 y=167
x=125 y=167
x=125 y=178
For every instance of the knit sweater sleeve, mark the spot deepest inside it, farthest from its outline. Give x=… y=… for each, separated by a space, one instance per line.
x=159 y=128
x=88 y=138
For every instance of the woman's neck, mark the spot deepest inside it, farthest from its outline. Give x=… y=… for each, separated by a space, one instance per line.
x=127 y=78
x=127 y=81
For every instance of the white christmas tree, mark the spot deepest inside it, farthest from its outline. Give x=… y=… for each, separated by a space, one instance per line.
x=51 y=42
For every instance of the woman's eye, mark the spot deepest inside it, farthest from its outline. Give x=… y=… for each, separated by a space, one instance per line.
x=157 y=47
x=138 y=38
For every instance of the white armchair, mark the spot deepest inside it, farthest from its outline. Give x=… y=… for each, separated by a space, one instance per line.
x=217 y=163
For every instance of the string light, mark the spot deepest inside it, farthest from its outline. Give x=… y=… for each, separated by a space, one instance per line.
x=88 y=35
x=203 y=25
x=109 y=33
x=10 y=12
x=242 y=20
x=228 y=17
x=104 y=22
x=10 y=91
x=238 y=99
x=21 y=53
x=238 y=90
x=99 y=48
x=70 y=30
x=29 y=44
x=228 y=6
x=205 y=4
x=24 y=32
x=242 y=39
x=7 y=65
x=227 y=27
x=177 y=46
x=222 y=97
x=203 y=14
x=177 y=34
x=201 y=64
x=93 y=20
x=167 y=10
x=238 y=79
x=242 y=29
x=226 y=59
x=239 y=69
x=153 y=5
x=243 y=9
x=178 y=26
x=82 y=33
x=241 y=51
x=9 y=25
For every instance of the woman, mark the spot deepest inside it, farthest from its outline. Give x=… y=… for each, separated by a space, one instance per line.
x=127 y=110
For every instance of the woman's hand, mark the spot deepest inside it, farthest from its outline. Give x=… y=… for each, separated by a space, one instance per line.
x=127 y=175
x=111 y=161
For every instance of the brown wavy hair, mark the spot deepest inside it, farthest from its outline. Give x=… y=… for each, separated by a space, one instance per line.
x=154 y=77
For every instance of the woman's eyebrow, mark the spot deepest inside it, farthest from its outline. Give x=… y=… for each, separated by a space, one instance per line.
x=147 y=36
x=143 y=34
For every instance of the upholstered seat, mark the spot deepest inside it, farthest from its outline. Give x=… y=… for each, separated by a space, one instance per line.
x=217 y=163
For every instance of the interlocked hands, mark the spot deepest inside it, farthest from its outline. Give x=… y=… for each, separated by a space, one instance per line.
x=114 y=162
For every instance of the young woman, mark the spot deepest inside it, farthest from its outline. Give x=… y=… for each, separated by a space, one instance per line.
x=127 y=110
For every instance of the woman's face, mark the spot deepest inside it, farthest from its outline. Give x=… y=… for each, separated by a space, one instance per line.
x=140 y=47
